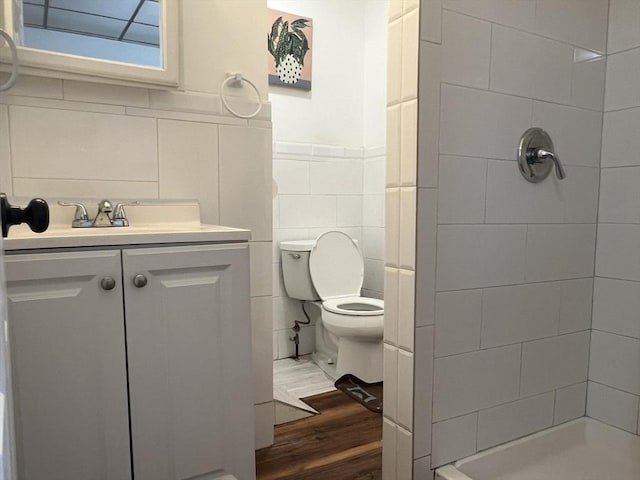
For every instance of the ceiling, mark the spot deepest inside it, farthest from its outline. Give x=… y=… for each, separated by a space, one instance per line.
x=133 y=21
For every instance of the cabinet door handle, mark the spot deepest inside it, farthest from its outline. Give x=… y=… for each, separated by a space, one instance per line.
x=140 y=280
x=108 y=283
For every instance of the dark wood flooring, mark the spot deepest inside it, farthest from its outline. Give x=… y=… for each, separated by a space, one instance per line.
x=343 y=442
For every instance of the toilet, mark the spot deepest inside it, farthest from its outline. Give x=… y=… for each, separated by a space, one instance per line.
x=331 y=269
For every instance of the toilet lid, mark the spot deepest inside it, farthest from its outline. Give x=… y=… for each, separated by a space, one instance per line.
x=336 y=266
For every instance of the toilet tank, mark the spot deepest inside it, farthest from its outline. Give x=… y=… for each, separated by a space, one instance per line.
x=295 y=269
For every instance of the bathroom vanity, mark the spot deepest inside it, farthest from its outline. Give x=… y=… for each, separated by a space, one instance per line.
x=130 y=351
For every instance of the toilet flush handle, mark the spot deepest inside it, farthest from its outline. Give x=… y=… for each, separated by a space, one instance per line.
x=295 y=256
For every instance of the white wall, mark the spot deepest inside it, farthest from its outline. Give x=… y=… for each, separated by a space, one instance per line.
x=508 y=331
x=75 y=140
x=329 y=146
x=614 y=374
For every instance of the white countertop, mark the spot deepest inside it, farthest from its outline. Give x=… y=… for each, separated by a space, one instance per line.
x=150 y=224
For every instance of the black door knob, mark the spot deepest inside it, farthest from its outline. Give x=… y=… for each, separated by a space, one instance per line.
x=36 y=215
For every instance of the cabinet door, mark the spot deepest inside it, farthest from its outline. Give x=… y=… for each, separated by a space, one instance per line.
x=189 y=338
x=68 y=366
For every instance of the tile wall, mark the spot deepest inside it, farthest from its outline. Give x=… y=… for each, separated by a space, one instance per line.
x=508 y=331
x=399 y=435
x=614 y=374
x=321 y=188
x=63 y=139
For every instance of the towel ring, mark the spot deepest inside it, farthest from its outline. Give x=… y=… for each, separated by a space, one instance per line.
x=236 y=79
x=14 y=59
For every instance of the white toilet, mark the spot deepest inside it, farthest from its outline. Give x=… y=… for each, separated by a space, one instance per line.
x=331 y=268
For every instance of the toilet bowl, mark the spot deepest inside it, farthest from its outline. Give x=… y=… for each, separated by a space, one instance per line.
x=331 y=268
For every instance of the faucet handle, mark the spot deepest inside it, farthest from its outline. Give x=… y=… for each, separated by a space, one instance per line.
x=120 y=216
x=80 y=217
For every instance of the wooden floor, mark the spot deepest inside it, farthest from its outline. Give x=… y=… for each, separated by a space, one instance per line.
x=344 y=442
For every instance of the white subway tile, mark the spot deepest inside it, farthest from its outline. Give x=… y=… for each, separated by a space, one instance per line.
x=391 y=299
x=507 y=422
x=454 y=439
x=570 y=403
x=75 y=189
x=390 y=441
x=465 y=58
x=613 y=407
x=373 y=242
x=394 y=65
x=373 y=210
x=615 y=361
x=513 y=13
x=404 y=455
x=407 y=245
x=624 y=25
x=390 y=385
x=618 y=201
x=410 y=42
x=261 y=333
x=409 y=142
x=374 y=172
x=509 y=74
x=575 y=306
x=473 y=256
x=373 y=277
x=421 y=466
x=554 y=363
x=406 y=309
x=291 y=176
x=245 y=159
x=426 y=256
x=336 y=176
x=188 y=165
x=618 y=254
x=66 y=140
x=588 y=84
x=187 y=101
x=6 y=184
x=462 y=189
x=473 y=381
x=429 y=114
x=458 y=322
x=482 y=124
x=622 y=89
x=575 y=132
x=395 y=9
x=616 y=304
x=556 y=252
x=579 y=22
x=516 y=314
x=423 y=391
x=392 y=226
x=511 y=199
x=103 y=93
x=42 y=87
x=405 y=389
x=394 y=124
x=349 y=213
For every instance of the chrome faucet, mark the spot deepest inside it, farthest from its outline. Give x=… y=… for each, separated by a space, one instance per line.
x=103 y=217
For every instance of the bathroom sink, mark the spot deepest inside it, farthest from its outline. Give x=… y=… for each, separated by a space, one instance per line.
x=157 y=222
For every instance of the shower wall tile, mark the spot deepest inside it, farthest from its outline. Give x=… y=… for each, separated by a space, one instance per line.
x=404 y=455
x=614 y=361
x=394 y=142
x=619 y=140
x=391 y=299
x=458 y=322
x=431 y=20
x=616 y=204
x=392 y=227
x=407 y=245
x=390 y=442
x=554 y=363
x=624 y=25
x=473 y=381
x=616 y=304
x=423 y=390
x=506 y=422
x=409 y=148
x=394 y=62
x=405 y=390
x=454 y=438
x=406 y=309
x=410 y=42
x=575 y=305
x=577 y=22
x=510 y=75
x=570 y=403
x=617 y=253
x=613 y=407
x=462 y=186
x=429 y=114
x=482 y=124
x=588 y=83
x=391 y=382
x=514 y=13
x=465 y=60
x=426 y=256
x=622 y=89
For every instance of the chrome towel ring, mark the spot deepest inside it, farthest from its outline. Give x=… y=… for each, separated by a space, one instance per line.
x=235 y=80
x=14 y=60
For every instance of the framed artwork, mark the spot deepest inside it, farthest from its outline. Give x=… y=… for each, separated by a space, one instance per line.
x=289 y=42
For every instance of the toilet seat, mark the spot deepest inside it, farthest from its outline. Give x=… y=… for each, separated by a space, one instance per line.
x=355 y=306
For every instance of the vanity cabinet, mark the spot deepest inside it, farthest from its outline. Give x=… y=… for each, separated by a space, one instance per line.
x=147 y=377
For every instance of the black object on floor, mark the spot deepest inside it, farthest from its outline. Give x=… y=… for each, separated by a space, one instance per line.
x=368 y=395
